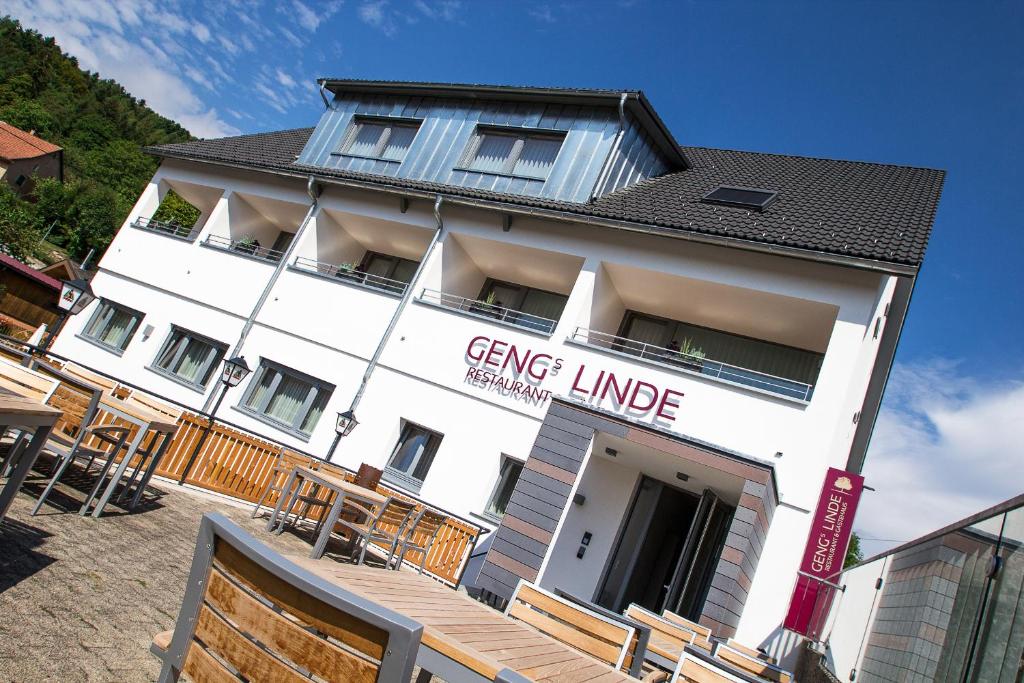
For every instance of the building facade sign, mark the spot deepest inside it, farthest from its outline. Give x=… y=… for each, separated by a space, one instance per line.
x=527 y=375
x=825 y=551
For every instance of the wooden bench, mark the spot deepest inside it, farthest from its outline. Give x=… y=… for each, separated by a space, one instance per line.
x=269 y=619
x=25 y=382
x=749 y=651
x=752 y=664
x=668 y=640
x=703 y=633
x=587 y=631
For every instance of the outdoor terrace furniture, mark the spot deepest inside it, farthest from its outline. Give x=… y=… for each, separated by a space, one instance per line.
x=273 y=620
x=421 y=532
x=695 y=670
x=643 y=632
x=28 y=413
x=702 y=639
x=604 y=639
x=464 y=640
x=668 y=640
x=284 y=463
x=18 y=380
x=111 y=438
x=385 y=527
x=749 y=651
x=752 y=664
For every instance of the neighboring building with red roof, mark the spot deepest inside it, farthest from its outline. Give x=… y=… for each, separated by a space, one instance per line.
x=28 y=298
x=23 y=156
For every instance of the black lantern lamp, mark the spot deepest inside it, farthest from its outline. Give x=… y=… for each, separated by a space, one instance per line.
x=75 y=295
x=343 y=427
x=235 y=370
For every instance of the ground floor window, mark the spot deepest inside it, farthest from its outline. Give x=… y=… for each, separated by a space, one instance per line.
x=502 y=493
x=286 y=398
x=412 y=456
x=189 y=357
x=112 y=325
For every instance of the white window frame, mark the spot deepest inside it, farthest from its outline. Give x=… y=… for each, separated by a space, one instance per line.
x=389 y=124
x=520 y=136
x=316 y=388
x=106 y=309
x=506 y=460
x=219 y=349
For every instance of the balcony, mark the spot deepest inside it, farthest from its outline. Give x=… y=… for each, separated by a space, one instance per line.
x=168 y=228
x=694 y=362
x=489 y=311
x=353 y=275
x=246 y=246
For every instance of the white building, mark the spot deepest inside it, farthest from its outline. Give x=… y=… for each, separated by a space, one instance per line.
x=640 y=358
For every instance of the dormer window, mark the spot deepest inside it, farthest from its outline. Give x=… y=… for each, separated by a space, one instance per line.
x=513 y=152
x=379 y=138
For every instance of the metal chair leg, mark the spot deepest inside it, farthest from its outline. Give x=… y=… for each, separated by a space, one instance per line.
x=58 y=473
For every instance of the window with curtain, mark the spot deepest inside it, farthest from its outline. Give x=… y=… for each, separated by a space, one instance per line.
x=112 y=325
x=523 y=154
x=412 y=456
x=528 y=307
x=502 y=493
x=189 y=358
x=286 y=399
x=379 y=138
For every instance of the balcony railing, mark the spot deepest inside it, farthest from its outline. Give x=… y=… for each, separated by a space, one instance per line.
x=352 y=275
x=169 y=228
x=244 y=247
x=482 y=309
x=703 y=366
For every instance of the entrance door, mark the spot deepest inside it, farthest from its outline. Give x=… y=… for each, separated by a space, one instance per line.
x=666 y=552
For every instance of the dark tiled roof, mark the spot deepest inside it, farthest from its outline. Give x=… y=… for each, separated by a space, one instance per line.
x=869 y=211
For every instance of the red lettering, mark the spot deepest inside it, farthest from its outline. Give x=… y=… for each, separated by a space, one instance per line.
x=575 y=382
x=597 y=383
x=543 y=369
x=472 y=343
x=495 y=351
x=513 y=356
x=666 y=403
x=636 y=391
x=620 y=398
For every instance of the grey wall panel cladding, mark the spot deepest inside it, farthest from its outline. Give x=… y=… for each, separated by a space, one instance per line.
x=539 y=500
x=635 y=159
x=449 y=124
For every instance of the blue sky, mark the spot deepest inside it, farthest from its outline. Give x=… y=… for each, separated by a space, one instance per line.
x=919 y=83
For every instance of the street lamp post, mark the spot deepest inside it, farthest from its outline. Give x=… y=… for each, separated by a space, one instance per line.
x=235 y=370
x=343 y=427
x=75 y=296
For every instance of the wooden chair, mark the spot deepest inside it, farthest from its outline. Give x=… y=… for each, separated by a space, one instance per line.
x=750 y=652
x=393 y=515
x=752 y=664
x=144 y=400
x=283 y=465
x=367 y=477
x=638 y=650
x=580 y=628
x=420 y=535
x=25 y=382
x=668 y=640
x=703 y=633
x=251 y=614
x=96 y=379
x=692 y=669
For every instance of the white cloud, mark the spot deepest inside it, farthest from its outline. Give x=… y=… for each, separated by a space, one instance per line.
x=375 y=14
x=292 y=38
x=201 y=32
x=945 y=446
x=448 y=10
x=542 y=13
x=101 y=34
x=310 y=19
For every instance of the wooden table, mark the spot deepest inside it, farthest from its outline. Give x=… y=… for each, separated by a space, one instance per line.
x=464 y=640
x=21 y=411
x=147 y=420
x=342 y=490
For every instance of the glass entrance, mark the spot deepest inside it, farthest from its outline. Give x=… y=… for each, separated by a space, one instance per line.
x=666 y=552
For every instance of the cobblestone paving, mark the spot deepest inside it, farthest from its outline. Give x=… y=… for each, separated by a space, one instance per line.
x=81 y=598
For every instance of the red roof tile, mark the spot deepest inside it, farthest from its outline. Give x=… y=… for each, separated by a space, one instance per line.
x=29 y=272
x=17 y=144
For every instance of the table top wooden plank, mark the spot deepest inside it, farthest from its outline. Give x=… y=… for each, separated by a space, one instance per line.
x=17 y=405
x=464 y=629
x=153 y=419
x=339 y=484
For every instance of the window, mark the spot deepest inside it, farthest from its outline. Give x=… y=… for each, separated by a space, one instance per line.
x=507 y=479
x=743 y=197
x=521 y=154
x=112 y=325
x=20 y=180
x=189 y=358
x=379 y=138
x=413 y=454
x=285 y=398
x=283 y=241
x=391 y=267
x=524 y=306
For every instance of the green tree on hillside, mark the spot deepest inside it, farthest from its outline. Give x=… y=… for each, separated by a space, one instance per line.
x=102 y=130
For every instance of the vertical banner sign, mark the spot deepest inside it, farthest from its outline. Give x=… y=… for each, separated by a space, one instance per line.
x=825 y=552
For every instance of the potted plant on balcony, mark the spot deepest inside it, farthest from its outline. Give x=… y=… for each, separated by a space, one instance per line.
x=248 y=245
x=688 y=354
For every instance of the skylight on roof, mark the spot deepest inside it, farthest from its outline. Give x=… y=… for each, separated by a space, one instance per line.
x=743 y=197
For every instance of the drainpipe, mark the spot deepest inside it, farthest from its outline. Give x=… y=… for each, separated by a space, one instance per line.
x=313 y=190
x=401 y=306
x=614 y=148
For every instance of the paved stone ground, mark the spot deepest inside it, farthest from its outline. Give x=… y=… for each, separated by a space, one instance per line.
x=81 y=599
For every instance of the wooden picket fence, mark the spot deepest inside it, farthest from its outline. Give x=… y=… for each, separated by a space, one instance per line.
x=241 y=465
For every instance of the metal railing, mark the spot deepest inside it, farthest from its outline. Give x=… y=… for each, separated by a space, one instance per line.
x=693 y=363
x=244 y=247
x=164 y=228
x=487 y=311
x=351 y=274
